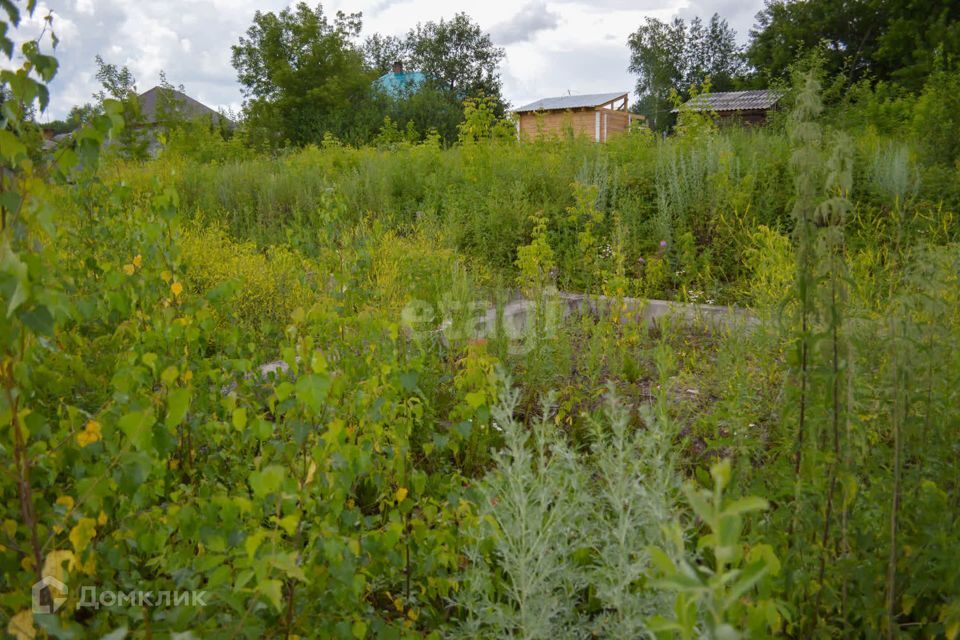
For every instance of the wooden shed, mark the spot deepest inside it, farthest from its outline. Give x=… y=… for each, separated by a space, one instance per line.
x=598 y=115
x=729 y=107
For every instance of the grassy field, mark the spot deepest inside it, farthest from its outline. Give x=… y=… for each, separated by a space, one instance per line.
x=592 y=476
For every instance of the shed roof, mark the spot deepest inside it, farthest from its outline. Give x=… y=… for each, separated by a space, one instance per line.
x=562 y=103
x=734 y=101
x=186 y=106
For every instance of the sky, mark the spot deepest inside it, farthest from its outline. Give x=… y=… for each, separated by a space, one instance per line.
x=553 y=47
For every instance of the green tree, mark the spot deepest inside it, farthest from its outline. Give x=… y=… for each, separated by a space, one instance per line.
x=78 y=116
x=712 y=52
x=120 y=84
x=880 y=39
x=459 y=62
x=301 y=73
x=457 y=56
x=672 y=57
x=380 y=52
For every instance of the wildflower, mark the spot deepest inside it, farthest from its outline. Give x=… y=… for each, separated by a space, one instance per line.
x=176 y=288
x=128 y=269
x=138 y=261
x=663 y=244
x=90 y=434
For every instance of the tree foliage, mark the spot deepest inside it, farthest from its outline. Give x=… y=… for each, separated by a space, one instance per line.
x=118 y=83
x=300 y=72
x=880 y=39
x=457 y=55
x=673 y=56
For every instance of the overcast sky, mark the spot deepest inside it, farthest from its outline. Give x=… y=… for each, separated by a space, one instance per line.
x=553 y=46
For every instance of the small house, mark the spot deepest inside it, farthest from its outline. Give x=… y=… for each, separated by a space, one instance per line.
x=746 y=107
x=597 y=115
x=398 y=83
x=162 y=103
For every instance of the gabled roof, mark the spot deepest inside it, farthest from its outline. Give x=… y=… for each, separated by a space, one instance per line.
x=186 y=106
x=563 y=103
x=734 y=101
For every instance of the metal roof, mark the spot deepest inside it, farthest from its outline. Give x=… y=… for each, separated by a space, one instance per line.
x=734 y=101
x=562 y=103
x=186 y=106
x=398 y=84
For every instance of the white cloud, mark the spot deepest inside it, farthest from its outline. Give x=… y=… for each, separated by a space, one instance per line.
x=532 y=18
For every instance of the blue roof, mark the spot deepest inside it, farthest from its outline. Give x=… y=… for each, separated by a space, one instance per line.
x=397 y=84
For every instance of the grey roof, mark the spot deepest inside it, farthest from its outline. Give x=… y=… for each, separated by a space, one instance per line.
x=734 y=101
x=186 y=106
x=562 y=103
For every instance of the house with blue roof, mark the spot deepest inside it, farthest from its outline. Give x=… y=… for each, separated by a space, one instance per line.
x=398 y=83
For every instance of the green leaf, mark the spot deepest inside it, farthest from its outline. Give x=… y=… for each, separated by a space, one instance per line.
x=749 y=577
x=266 y=481
x=39 y=320
x=312 y=391
x=10 y=263
x=138 y=427
x=272 y=590
x=359 y=629
x=11 y=147
x=262 y=429
x=476 y=399
x=239 y=418
x=252 y=543
x=178 y=402
x=721 y=473
x=745 y=505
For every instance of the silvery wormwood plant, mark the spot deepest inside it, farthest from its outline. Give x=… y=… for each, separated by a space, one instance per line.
x=561 y=549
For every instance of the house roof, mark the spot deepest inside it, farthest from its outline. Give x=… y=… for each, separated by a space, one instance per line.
x=733 y=101
x=562 y=103
x=396 y=84
x=186 y=106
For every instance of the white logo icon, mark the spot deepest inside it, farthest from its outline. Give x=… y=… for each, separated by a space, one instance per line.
x=57 y=591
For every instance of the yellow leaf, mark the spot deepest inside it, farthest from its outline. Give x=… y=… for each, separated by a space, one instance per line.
x=102 y=519
x=21 y=626
x=401 y=494
x=91 y=433
x=398 y=604
x=66 y=501
x=354 y=545
x=412 y=614
x=10 y=528
x=83 y=533
x=176 y=289
x=53 y=564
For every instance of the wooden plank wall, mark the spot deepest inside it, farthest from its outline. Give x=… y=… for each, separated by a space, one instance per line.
x=613 y=123
x=556 y=124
